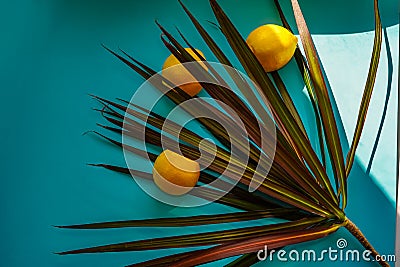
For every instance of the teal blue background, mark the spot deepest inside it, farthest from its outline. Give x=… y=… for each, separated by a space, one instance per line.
x=51 y=59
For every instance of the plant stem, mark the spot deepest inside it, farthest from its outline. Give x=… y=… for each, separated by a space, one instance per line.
x=353 y=229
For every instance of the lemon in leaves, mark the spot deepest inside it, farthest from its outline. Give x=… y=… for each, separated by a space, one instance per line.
x=175 y=174
x=273 y=45
x=179 y=75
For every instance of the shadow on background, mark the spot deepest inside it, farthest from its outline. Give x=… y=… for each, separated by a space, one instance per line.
x=386 y=105
x=370 y=209
x=343 y=16
x=339 y=16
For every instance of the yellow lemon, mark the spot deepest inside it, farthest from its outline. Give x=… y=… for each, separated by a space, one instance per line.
x=174 y=173
x=273 y=45
x=180 y=75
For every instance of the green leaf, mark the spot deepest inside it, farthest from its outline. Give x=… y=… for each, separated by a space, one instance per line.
x=187 y=221
x=236 y=76
x=287 y=100
x=144 y=175
x=305 y=73
x=254 y=244
x=369 y=86
x=220 y=169
x=327 y=116
x=207 y=38
x=272 y=188
x=200 y=239
x=282 y=114
x=237 y=196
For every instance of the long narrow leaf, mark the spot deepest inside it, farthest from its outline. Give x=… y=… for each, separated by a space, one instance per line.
x=199 y=239
x=186 y=221
x=305 y=73
x=369 y=86
x=287 y=99
x=254 y=68
x=327 y=116
x=253 y=245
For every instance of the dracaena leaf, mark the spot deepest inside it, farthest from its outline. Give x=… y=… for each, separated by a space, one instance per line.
x=369 y=86
x=305 y=73
x=253 y=245
x=287 y=100
x=187 y=221
x=273 y=188
x=200 y=239
x=238 y=80
x=282 y=114
x=327 y=116
x=236 y=76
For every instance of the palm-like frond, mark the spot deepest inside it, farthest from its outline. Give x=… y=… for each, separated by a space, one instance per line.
x=369 y=86
x=297 y=188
